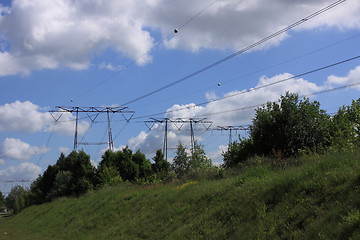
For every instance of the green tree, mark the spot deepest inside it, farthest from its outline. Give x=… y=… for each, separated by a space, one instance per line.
x=160 y=164
x=2 y=200
x=290 y=126
x=71 y=175
x=123 y=162
x=144 y=165
x=199 y=158
x=62 y=185
x=42 y=186
x=345 y=128
x=109 y=176
x=181 y=161
x=238 y=152
x=17 y=199
x=161 y=167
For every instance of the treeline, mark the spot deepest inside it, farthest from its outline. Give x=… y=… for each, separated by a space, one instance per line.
x=74 y=175
x=294 y=126
x=287 y=128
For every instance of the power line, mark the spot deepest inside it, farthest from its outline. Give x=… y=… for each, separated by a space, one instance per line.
x=97 y=111
x=146 y=53
x=254 y=89
x=258 y=71
x=197 y=15
x=262 y=104
x=240 y=51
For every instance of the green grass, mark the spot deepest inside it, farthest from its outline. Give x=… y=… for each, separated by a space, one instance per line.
x=317 y=198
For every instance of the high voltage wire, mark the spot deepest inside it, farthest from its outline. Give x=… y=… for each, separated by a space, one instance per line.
x=327 y=8
x=253 y=89
x=147 y=52
x=260 y=70
x=247 y=91
x=262 y=104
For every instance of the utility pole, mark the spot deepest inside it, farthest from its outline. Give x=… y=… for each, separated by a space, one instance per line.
x=179 y=123
x=232 y=128
x=97 y=111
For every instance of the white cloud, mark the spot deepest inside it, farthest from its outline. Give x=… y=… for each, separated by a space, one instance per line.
x=110 y=67
x=352 y=77
x=52 y=34
x=22 y=116
x=64 y=150
x=2 y=161
x=216 y=156
x=49 y=34
x=231 y=24
x=224 y=112
x=23 y=171
x=14 y=148
x=28 y=117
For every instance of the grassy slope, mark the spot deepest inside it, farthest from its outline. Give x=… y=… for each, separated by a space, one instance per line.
x=320 y=199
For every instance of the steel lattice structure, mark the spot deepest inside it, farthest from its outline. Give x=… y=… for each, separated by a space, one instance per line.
x=98 y=110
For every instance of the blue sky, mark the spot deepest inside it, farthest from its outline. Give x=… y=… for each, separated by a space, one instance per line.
x=107 y=53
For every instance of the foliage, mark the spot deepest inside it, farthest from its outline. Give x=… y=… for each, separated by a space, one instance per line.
x=190 y=165
x=290 y=126
x=238 y=152
x=71 y=175
x=131 y=167
x=317 y=199
x=345 y=128
x=17 y=199
x=180 y=163
x=109 y=176
x=61 y=186
x=161 y=167
x=199 y=158
x=2 y=200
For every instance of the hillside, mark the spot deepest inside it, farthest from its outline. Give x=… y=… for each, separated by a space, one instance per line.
x=318 y=197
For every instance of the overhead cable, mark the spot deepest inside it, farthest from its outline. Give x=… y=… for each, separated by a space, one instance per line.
x=327 y=8
x=253 y=89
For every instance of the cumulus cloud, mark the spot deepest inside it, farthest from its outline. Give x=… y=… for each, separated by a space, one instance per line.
x=216 y=156
x=64 y=150
x=352 y=77
x=23 y=171
x=110 y=67
x=233 y=109
x=29 y=117
x=14 y=148
x=22 y=116
x=51 y=34
x=231 y=24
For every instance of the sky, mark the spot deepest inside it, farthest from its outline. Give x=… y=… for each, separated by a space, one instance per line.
x=109 y=53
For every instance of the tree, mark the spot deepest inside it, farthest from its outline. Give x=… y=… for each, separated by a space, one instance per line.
x=238 y=152
x=2 y=200
x=62 y=185
x=290 y=126
x=144 y=165
x=109 y=176
x=181 y=161
x=71 y=175
x=42 y=186
x=345 y=128
x=199 y=158
x=160 y=164
x=123 y=162
x=161 y=167
x=81 y=169
x=17 y=199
